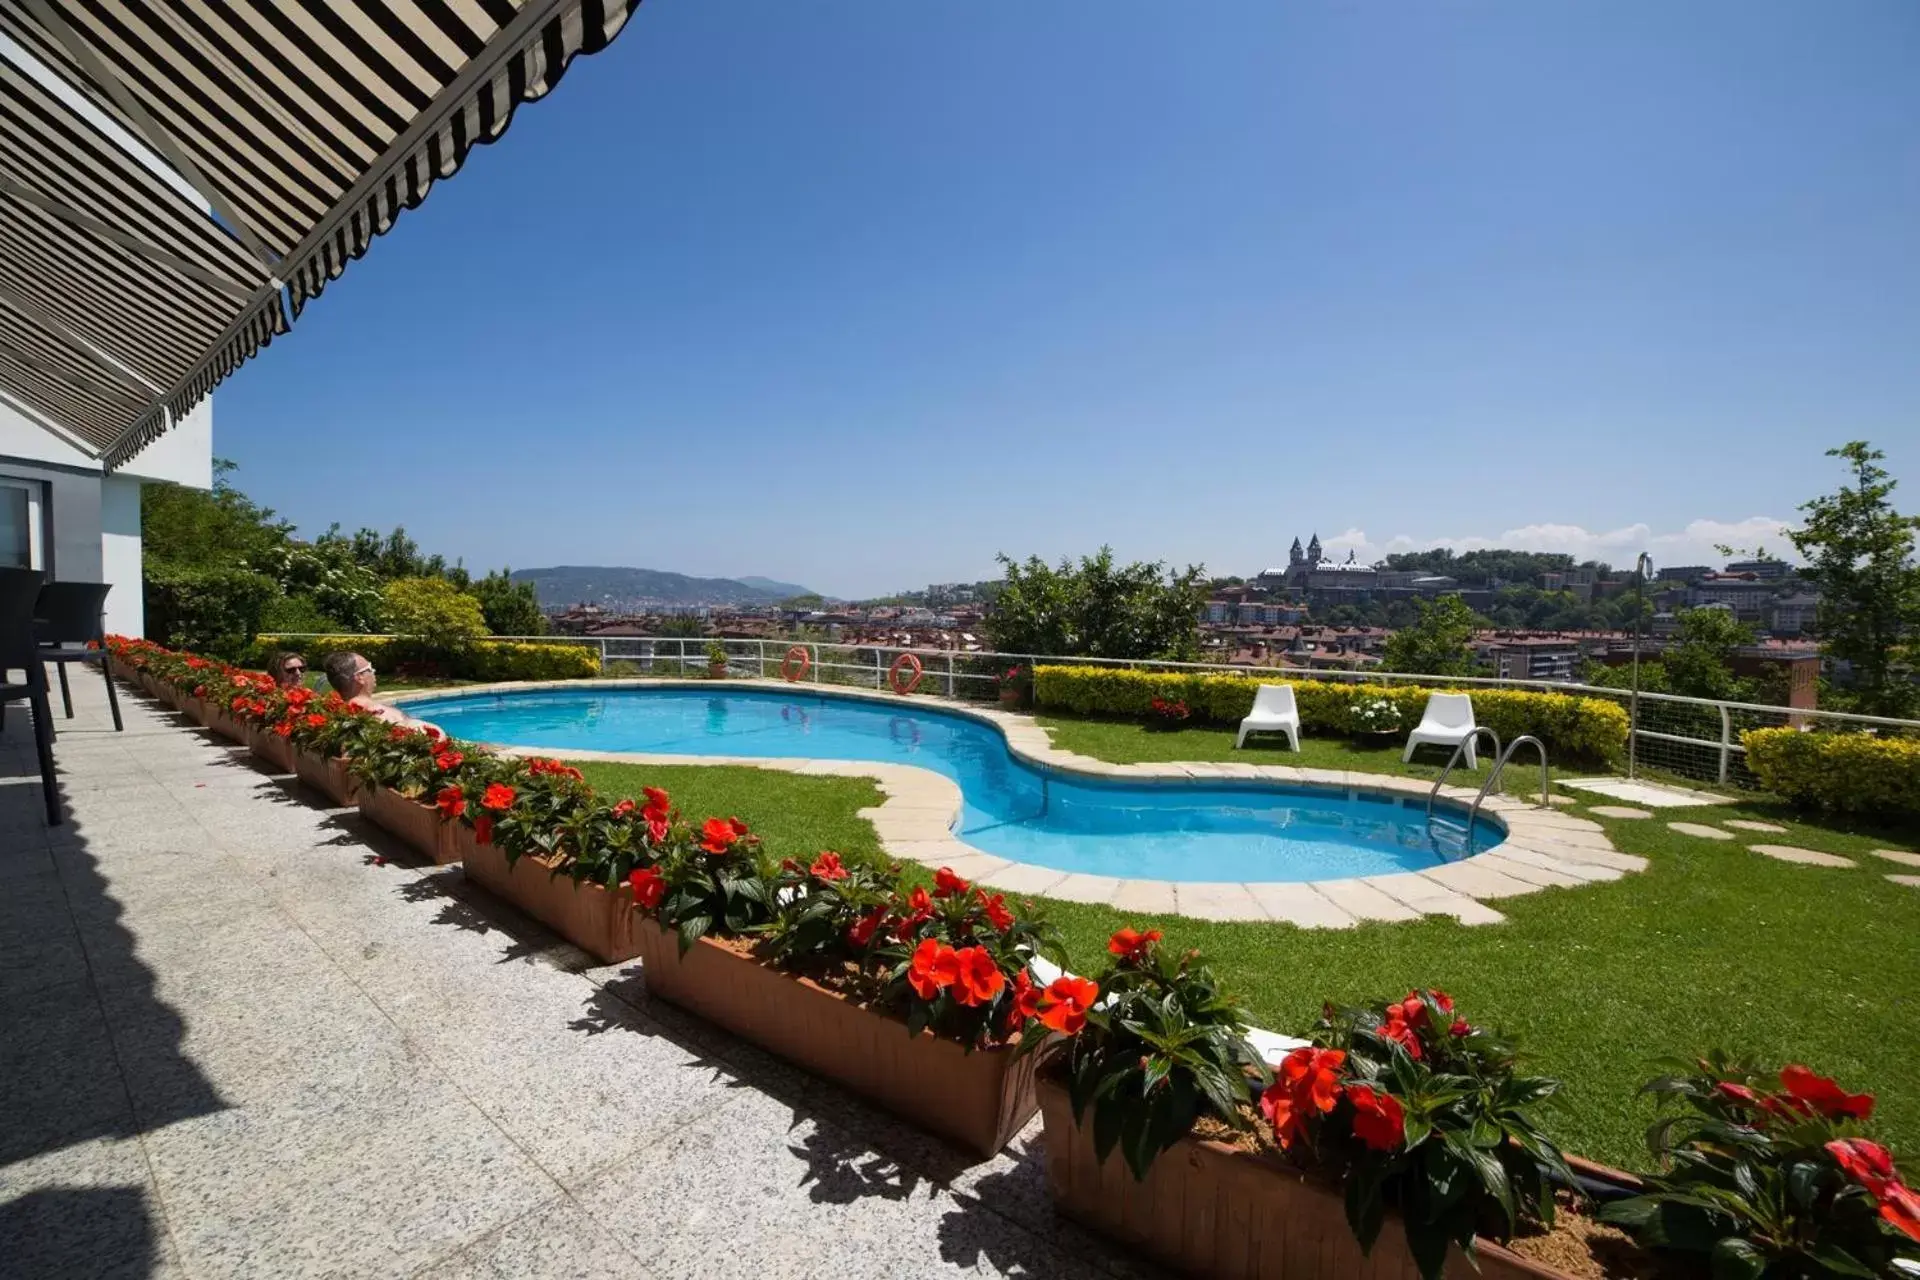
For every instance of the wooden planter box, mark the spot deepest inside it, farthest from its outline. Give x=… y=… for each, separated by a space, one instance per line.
x=225 y=723
x=978 y=1100
x=597 y=920
x=270 y=747
x=420 y=825
x=329 y=777
x=1207 y=1208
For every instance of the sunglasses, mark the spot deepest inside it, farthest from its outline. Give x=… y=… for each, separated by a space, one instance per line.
x=295 y=668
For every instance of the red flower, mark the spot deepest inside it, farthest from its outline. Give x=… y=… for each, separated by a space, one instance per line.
x=1396 y=1029
x=284 y=728
x=1867 y=1163
x=1064 y=1004
x=1129 y=945
x=624 y=808
x=1460 y=1028
x=827 y=867
x=1737 y=1094
x=980 y=980
x=656 y=798
x=1900 y=1206
x=1026 y=996
x=452 y=802
x=483 y=830
x=498 y=797
x=946 y=884
x=649 y=887
x=315 y=720
x=860 y=932
x=448 y=760
x=918 y=910
x=1308 y=1081
x=717 y=836
x=1824 y=1096
x=656 y=829
x=996 y=911
x=739 y=827
x=935 y=967
x=1377 y=1118
x=1442 y=1000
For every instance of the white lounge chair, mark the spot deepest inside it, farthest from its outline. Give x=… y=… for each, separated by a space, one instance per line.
x=1273 y=712
x=1446 y=722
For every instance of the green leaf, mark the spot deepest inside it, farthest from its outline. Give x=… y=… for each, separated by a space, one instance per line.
x=1735 y=1258
x=1840 y=1262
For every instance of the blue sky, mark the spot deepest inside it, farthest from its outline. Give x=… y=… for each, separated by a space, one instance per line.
x=858 y=294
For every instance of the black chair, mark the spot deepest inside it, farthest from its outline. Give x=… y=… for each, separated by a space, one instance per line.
x=19 y=651
x=69 y=617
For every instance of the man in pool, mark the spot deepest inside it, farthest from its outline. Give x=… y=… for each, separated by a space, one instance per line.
x=351 y=676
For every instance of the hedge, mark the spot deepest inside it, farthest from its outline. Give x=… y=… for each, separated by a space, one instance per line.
x=480 y=660
x=1857 y=773
x=1574 y=728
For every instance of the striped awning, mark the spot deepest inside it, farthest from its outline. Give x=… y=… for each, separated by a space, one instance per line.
x=292 y=133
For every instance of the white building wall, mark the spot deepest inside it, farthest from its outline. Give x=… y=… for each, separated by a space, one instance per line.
x=120 y=555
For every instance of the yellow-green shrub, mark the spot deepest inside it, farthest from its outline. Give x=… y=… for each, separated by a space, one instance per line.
x=1840 y=772
x=478 y=660
x=1590 y=729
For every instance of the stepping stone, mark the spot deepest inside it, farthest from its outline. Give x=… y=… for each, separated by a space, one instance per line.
x=1807 y=857
x=1900 y=856
x=1620 y=811
x=1748 y=824
x=1700 y=830
x=1912 y=882
x=1563 y=800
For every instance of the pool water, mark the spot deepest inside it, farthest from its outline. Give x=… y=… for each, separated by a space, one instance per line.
x=1177 y=829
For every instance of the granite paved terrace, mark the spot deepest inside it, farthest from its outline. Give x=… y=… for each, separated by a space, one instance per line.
x=245 y=1035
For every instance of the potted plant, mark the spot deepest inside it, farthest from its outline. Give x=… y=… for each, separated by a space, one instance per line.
x=400 y=772
x=1374 y=719
x=1406 y=1111
x=912 y=997
x=1167 y=713
x=716 y=660
x=323 y=740
x=1016 y=685
x=1767 y=1179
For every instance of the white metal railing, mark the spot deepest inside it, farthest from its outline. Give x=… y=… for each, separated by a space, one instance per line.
x=1692 y=737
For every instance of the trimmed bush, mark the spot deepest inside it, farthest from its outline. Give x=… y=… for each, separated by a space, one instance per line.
x=1857 y=773
x=212 y=610
x=1574 y=728
x=488 y=660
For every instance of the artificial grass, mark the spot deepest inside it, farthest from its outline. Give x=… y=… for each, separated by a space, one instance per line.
x=1713 y=945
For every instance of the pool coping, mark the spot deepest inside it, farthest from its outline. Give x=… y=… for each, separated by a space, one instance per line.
x=1543 y=848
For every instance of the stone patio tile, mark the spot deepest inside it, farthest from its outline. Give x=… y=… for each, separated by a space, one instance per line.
x=1582 y=871
x=1900 y=856
x=1586 y=854
x=1363 y=901
x=1476 y=879
x=1623 y=811
x=1301 y=904
x=1210 y=900
x=932 y=853
x=1145 y=897
x=555 y=1239
x=1748 y=824
x=1429 y=897
x=62 y=1083
x=85 y=1209
x=1530 y=872
x=1805 y=857
x=1699 y=831
x=974 y=866
x=1079 y=887
x=1018 y=877
x=1911 y=882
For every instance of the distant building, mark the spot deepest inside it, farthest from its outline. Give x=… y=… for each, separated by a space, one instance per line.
x=1534 y=659
x=1794 y=614
x=1683 y=573
x=1762 y=570
x=1750 y=599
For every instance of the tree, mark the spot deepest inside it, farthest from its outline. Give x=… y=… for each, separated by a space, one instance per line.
x=1700 y=663
x=1436 y=644
x=1093 y=609
x=434 y=610
x=1859 y=553
x=511 y=608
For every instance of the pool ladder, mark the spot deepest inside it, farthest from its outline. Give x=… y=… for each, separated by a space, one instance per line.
x=1493 y=776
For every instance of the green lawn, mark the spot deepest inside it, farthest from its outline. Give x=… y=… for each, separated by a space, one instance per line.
x=1712 y=946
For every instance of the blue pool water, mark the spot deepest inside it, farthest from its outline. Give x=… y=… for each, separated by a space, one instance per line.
x=1175 y=830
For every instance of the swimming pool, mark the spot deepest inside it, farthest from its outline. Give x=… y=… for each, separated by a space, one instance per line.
x=1177 y=829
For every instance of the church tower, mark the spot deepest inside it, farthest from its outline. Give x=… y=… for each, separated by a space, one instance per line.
x=1296 y=555
x=1313 y=550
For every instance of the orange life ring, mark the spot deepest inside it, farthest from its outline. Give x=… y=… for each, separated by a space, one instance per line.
x=799 y=652
x=893 y=673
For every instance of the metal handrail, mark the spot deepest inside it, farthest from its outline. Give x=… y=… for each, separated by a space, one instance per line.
x=1500 y=765
x=1459 y=749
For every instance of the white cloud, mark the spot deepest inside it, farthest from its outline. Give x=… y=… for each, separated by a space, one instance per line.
x=1693 y=544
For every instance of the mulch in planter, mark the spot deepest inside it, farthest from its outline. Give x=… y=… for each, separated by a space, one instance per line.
x=978 y=1100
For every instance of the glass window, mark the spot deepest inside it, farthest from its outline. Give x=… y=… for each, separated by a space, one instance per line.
x=16 y=527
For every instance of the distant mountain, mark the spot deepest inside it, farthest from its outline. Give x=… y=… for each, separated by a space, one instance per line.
x=616 y=587
x=780 y=590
